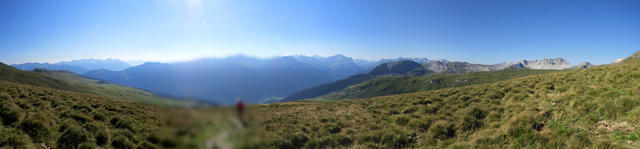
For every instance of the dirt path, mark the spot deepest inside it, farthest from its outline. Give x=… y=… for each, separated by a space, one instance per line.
x=220 y=139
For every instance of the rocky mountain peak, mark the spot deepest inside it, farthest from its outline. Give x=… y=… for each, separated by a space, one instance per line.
x=547 y=63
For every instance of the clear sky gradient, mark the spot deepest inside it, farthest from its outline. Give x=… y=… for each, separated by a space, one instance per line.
x=478 y=31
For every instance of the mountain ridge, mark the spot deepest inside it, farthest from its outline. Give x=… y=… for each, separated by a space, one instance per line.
x=80 y=66
x=428 y=67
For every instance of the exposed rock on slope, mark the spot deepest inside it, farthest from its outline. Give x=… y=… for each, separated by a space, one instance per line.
x=556 y=63
x=582 y=65
x=411 y=68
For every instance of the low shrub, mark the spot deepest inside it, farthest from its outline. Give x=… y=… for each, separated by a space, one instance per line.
x=402 y=120
x=153 y=138
x=337 y=140
x=147 y=145
x=392 y=139
x=122 y=123
x=38 y=130
x=122 y=142
x=13 y=139
x=297 y=140
x=278 y=143
x=420 y=125
x=79 y=117
x=431 y=109
x=333 y=128
x=98 y=116
x=72 y=137
x=442 y=130
x=10 y=113
x=4 y=96
x=396 y=139
x=472 y=119
x=102 y=137
x=169 y=143
x=315 y=144
x=87 y=146
x=470 y=123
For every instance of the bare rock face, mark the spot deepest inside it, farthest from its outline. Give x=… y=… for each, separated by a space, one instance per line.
x=618 y=60
x=556 y=63
x=584 y=65
x=464 y=67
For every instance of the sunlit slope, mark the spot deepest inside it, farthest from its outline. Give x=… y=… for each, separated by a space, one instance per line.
x=590 y=108
x=106 y=89
x=8 y=73
x=73 y=82
x=34 y=117
x=407 y=84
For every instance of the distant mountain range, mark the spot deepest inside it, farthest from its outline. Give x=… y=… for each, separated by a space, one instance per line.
x=77 y=66
x=407 y=66
x=224 y=80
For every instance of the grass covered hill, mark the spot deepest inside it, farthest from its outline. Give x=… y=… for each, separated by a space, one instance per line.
x=106 y=89
x=407 y=84
x=386 y=69
x=73 y=82
x=8 y=73
x=597 y=107
x=37 y=117
x=57 y=109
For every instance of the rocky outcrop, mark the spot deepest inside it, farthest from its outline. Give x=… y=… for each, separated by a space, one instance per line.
x=584 y=65
x=464 y=67
x=556 y=63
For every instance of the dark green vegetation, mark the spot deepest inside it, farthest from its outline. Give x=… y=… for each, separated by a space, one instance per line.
x=589 y=108
x=34 y=116
x=8 y=73
x=107 y=89
x=73 y=82
x=407 y=84
x=386 y=69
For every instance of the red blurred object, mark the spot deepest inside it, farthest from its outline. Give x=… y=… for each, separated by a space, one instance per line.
x=240 y=106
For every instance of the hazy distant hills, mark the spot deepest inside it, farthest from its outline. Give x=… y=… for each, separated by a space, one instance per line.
x=65 y=80
x=224 y=80
x=337 y=67
x=77 y=66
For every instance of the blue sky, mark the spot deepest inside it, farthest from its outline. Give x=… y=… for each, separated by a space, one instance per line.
x=478 y=31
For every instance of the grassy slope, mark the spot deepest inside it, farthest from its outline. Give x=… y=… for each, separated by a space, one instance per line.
x=31 y=117
x=73 y=82
x=406 y=84
x=38 y=109
x=589 y=108
x=399 y=67
x=113 y=90
x=8 y=73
